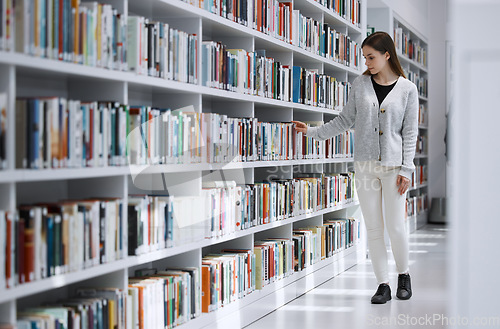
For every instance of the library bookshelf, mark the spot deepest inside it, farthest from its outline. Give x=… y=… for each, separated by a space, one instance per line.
x=414 y=63
x=27 y=76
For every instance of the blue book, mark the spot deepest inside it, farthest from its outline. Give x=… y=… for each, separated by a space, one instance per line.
x=50 y=246
x=296 y=75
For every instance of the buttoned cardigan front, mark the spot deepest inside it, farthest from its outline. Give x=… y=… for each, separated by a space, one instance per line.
x=387 y=132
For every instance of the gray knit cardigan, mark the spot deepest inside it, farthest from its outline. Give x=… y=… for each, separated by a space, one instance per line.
x=387 y=133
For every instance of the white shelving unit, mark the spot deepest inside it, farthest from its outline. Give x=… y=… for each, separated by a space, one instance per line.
x=384 y=18
x=26 y=76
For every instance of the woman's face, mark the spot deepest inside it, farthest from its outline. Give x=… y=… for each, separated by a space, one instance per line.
x=375 y=61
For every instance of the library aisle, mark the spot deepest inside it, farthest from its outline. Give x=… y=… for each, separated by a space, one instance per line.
x=344 y=301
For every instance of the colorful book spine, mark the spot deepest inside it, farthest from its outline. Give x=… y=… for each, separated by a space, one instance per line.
x=50 y=239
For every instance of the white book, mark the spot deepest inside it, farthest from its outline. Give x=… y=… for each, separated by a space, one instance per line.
x=133 y=43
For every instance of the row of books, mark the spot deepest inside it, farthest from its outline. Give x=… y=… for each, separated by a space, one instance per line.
x=347 y=9
x=423 y=115
x=316 y=243
x=90 y=308
x=59 y=133
x=44 y=240
x=163 y=298
x=419 y=176
x=280 y=20
x=3 y=130
x=416 y=204
x=155 y=49
x=232 y=274
x=162 y=136
x=87 y=33
x=174 y=296
x=314 y=89
x=95 y=34
x=422 y=144
x=408 y=47
x=156 y=222
x=323 y=40
x=419 y=81
x=255 y=73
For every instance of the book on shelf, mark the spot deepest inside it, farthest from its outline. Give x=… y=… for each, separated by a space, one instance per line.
x=255 y=73
x=59 y=133
x=7 y=25
x=3 y=130
x=422 y=144
x=158 y=50
x=49 y=239
x=419 y=81
x=416 y=204
x=348 y=9
x=234 y=273
x=419 y=176
x=422 y=115
x=409 y=47
x=87 y=33
x=88 y=308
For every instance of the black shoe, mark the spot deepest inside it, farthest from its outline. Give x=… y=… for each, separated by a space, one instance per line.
x=404 y=286
x=382 y=295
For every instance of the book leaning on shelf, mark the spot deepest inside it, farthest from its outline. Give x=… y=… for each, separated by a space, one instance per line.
x=49 y=239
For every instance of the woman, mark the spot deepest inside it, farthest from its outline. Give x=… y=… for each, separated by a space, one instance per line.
x=384 y=106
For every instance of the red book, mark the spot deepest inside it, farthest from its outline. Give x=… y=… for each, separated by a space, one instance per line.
x=20 y=250
x=8 y=251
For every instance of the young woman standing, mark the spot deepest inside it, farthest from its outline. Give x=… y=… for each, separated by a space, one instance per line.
x=384 y=106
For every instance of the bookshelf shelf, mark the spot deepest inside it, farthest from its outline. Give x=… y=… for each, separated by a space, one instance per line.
x=62 y=280
x=317 y=273
x=330 y=15
x=416 y=65
x=23 y=76
x=58 y=281
x=419 y=186
x=168 y=252
x=32 y=175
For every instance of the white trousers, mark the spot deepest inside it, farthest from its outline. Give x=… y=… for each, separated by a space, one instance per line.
x=372 y=182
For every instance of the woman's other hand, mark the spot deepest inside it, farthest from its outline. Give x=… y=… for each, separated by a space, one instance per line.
x=403 y=184
x=300 y=126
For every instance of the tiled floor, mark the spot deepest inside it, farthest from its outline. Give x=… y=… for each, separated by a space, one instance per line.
x=344 y=301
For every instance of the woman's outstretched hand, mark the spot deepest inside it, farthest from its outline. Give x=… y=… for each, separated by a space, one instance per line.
x=300 y=126
x=403 y=184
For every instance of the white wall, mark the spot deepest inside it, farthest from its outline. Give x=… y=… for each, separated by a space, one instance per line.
x=438 y=16
x=474 y=243
x=415 y=12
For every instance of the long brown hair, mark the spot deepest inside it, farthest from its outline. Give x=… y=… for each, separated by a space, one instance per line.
x=382 y=42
